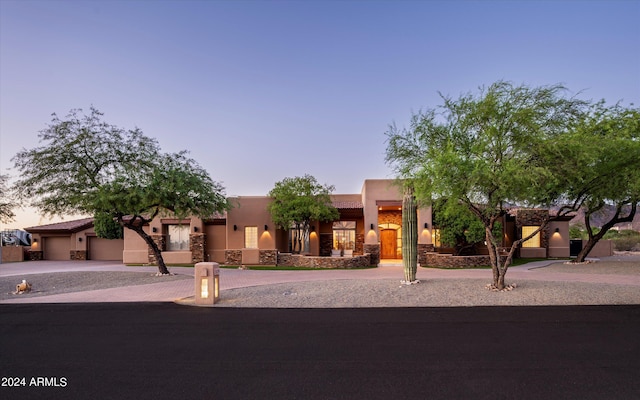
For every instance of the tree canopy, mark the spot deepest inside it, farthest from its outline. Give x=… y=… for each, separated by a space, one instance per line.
x=599 y=162
x=482 y=151
x=87 y=166
x=7 y=203
x=297 y=202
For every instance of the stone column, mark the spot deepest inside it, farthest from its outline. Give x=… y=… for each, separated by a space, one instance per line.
x=374 y=251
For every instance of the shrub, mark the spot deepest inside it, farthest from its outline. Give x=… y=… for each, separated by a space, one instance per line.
x=627 y=241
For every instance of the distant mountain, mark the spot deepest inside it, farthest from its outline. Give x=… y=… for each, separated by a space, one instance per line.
x=600 y=218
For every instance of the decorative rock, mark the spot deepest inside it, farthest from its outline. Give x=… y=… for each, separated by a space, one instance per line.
x=507 y=288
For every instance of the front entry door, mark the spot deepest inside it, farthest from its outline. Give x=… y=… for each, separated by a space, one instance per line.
x=388 y=243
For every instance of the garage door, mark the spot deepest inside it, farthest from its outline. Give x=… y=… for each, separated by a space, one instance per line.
x=105 y=249
x=57 y=248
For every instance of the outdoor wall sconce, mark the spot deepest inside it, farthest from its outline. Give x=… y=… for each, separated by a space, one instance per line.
x=426 y=225
x=313 y=228
x=371 y=226
x=154 y=229
x=557 y=230
x=266 y=228
x=35 y=241
x=79 y=239
x=235 y=227
x=195 y=229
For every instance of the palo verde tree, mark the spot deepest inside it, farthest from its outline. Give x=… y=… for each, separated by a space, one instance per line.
x=296 y=202
x=476 y=150
x=87 y=166
x=600 y=162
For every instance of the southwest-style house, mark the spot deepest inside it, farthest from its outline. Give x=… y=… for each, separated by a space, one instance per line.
x=368 y=231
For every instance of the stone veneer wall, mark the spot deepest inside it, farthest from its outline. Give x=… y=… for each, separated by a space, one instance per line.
x=160 y=242
x=359 y=244
x=233 y=257
x=298 y=260
x=422 y=250
x=197 y=246
x=390 y=217
x=451 y=261
x=78 y=255
x=268 y=257
x=374 y=252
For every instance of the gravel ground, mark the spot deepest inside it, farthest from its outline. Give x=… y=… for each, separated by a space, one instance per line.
x=67 y=282
x=446 y=292
x=431 y=293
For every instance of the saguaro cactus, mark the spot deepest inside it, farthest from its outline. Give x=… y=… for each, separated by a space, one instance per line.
x=409 y=236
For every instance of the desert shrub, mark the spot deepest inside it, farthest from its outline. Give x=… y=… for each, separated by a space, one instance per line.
x=626 y=240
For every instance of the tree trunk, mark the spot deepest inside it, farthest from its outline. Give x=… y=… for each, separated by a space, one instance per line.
x=162 y=268
x=586 y=249
x=409 y=236
x=593 y=239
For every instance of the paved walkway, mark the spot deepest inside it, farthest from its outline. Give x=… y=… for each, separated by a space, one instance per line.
x=235 y=278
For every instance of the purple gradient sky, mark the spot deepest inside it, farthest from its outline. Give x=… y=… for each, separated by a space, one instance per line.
x=259 y=91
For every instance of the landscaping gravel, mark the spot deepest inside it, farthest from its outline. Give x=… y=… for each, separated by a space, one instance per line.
x=67 y=282
x=430 y=293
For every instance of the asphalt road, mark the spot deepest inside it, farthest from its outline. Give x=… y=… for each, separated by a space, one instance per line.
x=167 y=351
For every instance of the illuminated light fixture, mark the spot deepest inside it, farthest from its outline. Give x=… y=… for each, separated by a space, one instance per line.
x=35 y=241
x=557 y=230
x=266 y=227
x=204 y=288
x=154 y=229
x=371 y=226
x=426 y=226
x=235 y=227
x=313 y=228
x=207 y=283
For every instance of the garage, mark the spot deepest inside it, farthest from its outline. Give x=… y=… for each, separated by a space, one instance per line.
x=104 y=249
x=57 y=248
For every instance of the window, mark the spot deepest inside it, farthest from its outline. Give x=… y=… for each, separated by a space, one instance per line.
x=250 y=237
x=344 y=235
x=534 y=241
x=178 y=237
x=436 y=237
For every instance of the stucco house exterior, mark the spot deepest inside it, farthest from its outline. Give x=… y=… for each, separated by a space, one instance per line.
x=368 y=231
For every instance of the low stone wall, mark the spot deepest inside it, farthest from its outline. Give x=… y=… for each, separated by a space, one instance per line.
x=451 y=261
x=298 y=260
x=268 y=257
x=374 y=253
x=78 y=255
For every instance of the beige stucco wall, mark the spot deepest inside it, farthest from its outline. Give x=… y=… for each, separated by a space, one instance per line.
x=216 y=242
x=558 y=241
x=388 y=190
x=604 y=248
x=250 y=211
x=135 y=248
